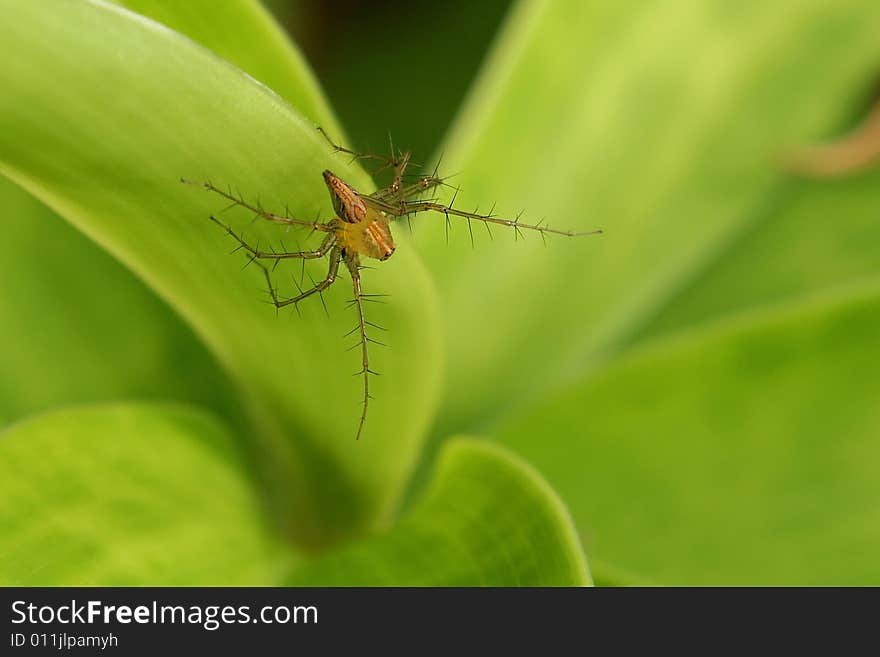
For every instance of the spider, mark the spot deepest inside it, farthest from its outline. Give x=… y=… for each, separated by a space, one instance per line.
x=360 y=229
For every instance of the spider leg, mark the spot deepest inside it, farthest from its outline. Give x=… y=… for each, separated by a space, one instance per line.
x=281 y=302
x=403 y=192
x=397 y=181
x=406 y=208
x=268 y=216
x=256 y=253
x=353 y=265
x=398 y=163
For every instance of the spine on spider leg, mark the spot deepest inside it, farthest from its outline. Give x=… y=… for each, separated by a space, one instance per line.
x=236 y=199
x=353 y=264
x=490 y=218
x=407 y=208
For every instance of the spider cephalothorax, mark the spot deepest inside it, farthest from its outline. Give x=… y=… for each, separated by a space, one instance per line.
x=361 y=227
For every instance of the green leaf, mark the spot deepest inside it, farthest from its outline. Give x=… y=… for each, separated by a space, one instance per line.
x=673 y=144
x=744 y=452
x=243 y=32
x=661 y=122
x=128 y=495
x=109 y=162
x=78 y=327
x=70 y=350
x=811 y=237
x=487 y=519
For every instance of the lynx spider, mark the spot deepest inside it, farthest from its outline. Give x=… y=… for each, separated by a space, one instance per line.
x=361 y=228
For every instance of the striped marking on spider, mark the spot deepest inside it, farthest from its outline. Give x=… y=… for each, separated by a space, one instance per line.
x=361 y=228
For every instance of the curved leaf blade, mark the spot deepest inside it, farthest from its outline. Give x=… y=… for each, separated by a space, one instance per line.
x=244 y=33
x=486 y=519
x=128 y=495
x=739 y=454
x=103 y=315
x=815 y=237
x=78 y=327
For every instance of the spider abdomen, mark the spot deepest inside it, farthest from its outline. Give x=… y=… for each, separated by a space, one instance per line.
x=370 y=237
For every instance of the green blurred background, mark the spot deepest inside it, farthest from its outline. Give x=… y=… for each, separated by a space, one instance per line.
x=707 y=404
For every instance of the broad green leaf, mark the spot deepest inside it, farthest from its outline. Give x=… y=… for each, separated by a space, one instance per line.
x=244 y=33
x=78 y=327
x=487 y=519
x=744 y=452
x=129 y=495
x=109 y=162
x=812 y=236
x=70 y=350
x=661 y=122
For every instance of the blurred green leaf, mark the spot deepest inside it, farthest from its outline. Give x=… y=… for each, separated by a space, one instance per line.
x=661 y=123
x=487 y=519
x=743 y=452
x=665 y=124
x=78 y=327
x=168 y=505
x=128 y=495
x=110 y=162
x=811 y=236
